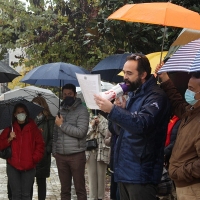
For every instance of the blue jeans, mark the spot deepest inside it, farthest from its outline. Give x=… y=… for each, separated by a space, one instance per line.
x=20 y=182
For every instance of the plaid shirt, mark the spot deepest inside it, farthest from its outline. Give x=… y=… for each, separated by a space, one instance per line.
x=99 y=133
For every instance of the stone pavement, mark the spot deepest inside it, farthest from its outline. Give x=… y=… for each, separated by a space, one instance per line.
x=53 y=184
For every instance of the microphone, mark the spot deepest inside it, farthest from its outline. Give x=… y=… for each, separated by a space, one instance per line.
x=115 y=92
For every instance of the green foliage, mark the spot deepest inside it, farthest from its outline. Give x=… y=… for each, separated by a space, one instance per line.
x=77 y=31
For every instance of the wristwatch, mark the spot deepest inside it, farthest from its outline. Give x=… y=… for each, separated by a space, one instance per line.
x=60 y=125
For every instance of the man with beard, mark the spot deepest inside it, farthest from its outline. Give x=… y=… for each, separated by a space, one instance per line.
x=143 y=120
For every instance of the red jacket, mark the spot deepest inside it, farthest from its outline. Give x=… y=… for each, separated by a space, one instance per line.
x=27 y=147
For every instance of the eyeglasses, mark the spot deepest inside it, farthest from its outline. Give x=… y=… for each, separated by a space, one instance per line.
x=135 y=57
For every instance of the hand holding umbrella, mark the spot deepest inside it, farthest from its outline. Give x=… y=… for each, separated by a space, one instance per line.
x=163 y=76
x=59 y=120
x=12 y=136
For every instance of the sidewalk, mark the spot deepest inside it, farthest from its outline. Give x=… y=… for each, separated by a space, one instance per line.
x=53 y=184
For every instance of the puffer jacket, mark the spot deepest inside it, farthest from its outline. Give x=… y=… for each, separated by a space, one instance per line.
x=27 y=147
x=70 y=138
x=139 y=151
x=46 y=126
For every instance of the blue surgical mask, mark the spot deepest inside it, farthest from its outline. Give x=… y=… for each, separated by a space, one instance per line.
x=189 y=97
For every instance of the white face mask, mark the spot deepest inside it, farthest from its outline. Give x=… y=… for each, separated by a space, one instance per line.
x=40 y=117
x=21 y=117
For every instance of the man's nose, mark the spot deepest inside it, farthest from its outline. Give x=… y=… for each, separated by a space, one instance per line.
x=125 y=76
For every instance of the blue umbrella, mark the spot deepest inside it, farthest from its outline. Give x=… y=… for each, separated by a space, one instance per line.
x=185 y=59
x=54 y=74
x=109 y=67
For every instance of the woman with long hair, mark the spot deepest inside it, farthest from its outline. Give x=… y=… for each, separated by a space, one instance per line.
x=27 y=150
x=45 y=122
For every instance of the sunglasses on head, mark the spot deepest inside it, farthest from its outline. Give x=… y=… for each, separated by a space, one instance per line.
x=135 y=57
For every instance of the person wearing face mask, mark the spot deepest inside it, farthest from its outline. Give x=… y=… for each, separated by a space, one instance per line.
x=185 y=157
x=45 y=122
x=69 y=143
x=27 y=150
x=141 y=121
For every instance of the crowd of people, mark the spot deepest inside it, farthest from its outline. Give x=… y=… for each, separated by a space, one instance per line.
x=145 y=139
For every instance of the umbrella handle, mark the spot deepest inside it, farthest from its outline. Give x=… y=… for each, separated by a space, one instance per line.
x=59 y=113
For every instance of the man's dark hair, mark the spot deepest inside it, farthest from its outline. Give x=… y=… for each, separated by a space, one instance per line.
x=143 y=64
x=69 y=86
x=20 y=105
x=195 y=74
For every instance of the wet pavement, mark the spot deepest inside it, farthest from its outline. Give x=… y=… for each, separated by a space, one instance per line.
x=53 y=184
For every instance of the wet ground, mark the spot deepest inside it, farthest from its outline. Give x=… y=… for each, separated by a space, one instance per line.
x=53 y=184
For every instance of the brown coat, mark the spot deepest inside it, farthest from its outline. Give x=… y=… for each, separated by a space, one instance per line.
x=184 y=166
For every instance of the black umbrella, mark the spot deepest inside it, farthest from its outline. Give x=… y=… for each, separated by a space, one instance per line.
x=7 y=106
x=7 y=74
x=109 y=67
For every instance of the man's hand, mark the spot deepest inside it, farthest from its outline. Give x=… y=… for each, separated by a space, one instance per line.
x=121 y=102
x=104 y=104
x=163 y=76
x=59 y=120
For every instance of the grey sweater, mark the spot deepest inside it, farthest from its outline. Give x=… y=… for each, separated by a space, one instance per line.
x=70 y=138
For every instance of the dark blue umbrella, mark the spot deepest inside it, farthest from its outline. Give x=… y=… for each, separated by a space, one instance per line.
x=7 y=74
x=7 y=106
x=54 y=74
x=109 y=67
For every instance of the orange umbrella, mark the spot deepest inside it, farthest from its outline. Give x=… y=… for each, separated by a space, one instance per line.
x=164 y=13
x=161 y=13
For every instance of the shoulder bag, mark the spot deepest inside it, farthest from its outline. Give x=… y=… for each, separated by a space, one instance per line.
x=6 y=153
x=91 y=144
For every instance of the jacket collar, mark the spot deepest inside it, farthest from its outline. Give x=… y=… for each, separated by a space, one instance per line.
x=190 y=110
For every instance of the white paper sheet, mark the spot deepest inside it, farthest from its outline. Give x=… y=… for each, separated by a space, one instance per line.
x=90 y=84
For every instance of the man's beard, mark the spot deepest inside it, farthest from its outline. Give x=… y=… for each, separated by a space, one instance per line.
x=134 y=85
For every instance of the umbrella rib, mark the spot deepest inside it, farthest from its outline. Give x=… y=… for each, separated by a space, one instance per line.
x=42 y=96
